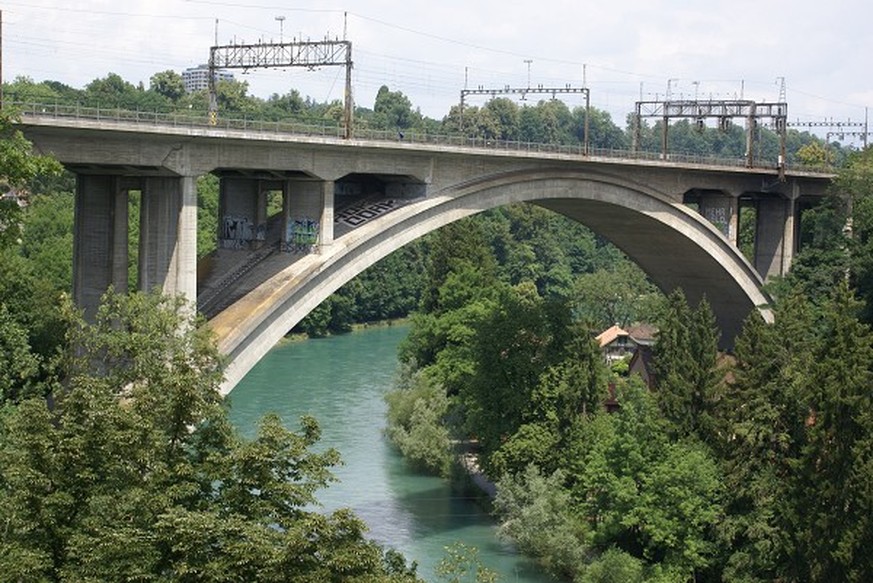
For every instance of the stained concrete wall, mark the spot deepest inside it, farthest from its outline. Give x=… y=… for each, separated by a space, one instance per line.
x=774 y=235
x=100 y=253
x=168 y=236
x=310 y=200
x=242 y=220
x=722 y=211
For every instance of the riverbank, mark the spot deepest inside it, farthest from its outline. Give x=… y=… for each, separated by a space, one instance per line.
x=294 y=337
x=469 y=461
x=341 y=381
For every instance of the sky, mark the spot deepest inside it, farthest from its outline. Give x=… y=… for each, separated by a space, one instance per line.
x=622 y=50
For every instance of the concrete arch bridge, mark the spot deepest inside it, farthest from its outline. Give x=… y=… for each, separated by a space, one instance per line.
x=344 y=204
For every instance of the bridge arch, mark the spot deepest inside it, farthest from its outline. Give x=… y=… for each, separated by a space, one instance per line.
x=673 y=244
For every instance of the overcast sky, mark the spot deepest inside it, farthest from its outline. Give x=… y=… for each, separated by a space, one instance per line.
x=428 y=50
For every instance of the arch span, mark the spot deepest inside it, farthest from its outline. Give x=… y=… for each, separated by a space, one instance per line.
x=674 y=245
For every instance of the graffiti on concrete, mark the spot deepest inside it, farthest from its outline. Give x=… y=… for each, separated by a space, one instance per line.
x=240 y=232
x=301 y=235
x=718 y=216
x=358 y=214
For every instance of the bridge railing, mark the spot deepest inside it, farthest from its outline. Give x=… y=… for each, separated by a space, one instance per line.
x=199 y=120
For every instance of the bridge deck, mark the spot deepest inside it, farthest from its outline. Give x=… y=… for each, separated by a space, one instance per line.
x=74 y=117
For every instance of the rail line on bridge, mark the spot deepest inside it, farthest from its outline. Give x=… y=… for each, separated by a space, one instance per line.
x=35 y=112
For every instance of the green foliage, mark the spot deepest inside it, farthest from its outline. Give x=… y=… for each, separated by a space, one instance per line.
x=613 y=566
x=515 y=342
x=18 y=167
x=207 y=214
x=18 y=365
x=393 y=111
x=800 y=424
x=657 y=499
x=833 y=469
x=685 y=356
x=134 y=471
x=621 y=295
x=462 y=565
x=47 y=240
x=416 y=410
x=168 y=84
x=855 y=182
x=535 y=513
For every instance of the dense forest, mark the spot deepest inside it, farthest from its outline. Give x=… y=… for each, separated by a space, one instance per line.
x=753 y=466
x=750 y=466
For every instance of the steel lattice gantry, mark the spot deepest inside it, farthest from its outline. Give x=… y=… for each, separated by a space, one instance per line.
x=723 y=111
x=538 y=90
x=309 y=54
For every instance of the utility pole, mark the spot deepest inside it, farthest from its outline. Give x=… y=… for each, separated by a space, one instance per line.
x=528 y=61
x=281 y=20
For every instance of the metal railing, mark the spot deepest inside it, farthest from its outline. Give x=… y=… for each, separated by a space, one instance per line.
x=199 y=120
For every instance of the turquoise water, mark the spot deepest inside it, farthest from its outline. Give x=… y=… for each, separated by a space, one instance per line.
x=341 y=381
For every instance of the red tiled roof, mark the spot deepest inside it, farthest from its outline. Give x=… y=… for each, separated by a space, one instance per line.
x=609 y=335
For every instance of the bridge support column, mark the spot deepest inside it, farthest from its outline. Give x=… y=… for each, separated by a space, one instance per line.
x=722 y=211
x=242 y=210
x=168 y=236
x=100 y=252
x=774 y=235
x=310 y=203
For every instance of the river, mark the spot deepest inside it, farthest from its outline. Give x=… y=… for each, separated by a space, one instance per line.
x=341 y=381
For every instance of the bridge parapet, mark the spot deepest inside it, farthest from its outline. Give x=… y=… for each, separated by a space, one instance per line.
x=186 y=123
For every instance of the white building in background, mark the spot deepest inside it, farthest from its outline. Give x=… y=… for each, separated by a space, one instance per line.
x=197 y=78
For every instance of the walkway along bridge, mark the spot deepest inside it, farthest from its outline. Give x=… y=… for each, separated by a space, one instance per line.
x=346 y=203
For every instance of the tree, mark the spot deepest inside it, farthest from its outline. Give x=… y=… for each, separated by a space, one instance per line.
x=536 y=513
x=462 y=565
x=393 y=111
x=134 y=471
x=516 y=341
x=415 y=422
x=766 y=410
x=655 y=499
x=111 y=91
x=855 y=184
x=686 y=354
x=621 y=295
x=18 y=166
x=18 y=365
x=834 y=524
x=169 y=84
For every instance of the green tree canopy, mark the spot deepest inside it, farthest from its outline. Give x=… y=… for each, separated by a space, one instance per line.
x=134 y=471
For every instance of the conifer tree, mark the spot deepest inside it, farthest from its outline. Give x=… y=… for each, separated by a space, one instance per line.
x=832 y=488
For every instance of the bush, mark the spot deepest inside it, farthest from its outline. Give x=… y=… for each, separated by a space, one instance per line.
x=416 y=410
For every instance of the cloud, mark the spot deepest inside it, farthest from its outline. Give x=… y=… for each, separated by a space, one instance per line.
x=427 y=50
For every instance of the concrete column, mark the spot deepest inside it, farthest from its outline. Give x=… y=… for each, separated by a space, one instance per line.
x=168 y=236
x=327 y=212
x=186 y=265
x=774 y=236
x=790 y=237
x=722 y=211
x=100 y=254
x=242 y=213
x=310 y=203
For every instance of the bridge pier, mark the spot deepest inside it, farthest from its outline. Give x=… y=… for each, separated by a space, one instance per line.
x=309 y=203
x=722 y=210
x=168 y=236
x=242 y=213
x=167 y=243
x=775 y=234
x=100 y=234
